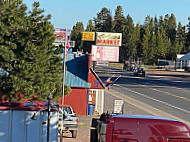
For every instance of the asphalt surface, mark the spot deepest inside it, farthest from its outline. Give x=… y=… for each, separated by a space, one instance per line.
x=163 y=90
x=138 y=106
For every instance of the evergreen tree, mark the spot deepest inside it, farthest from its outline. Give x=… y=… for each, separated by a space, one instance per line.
x=76 y=35
x=160 y=50
x=187 y=42
x=103 y=21
x=90 y=27
x=130 y=39
x=171 y=30
x=180 y=38
x=156 y=25
x=161 y=22
x=26 y=53
x=145 y=44
x=152 y=48
x=119 y=20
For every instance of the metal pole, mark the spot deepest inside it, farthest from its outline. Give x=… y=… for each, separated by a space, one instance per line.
x=64 y=63
x=48 y=123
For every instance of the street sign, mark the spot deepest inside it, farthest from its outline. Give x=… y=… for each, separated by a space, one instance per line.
x=118 y=106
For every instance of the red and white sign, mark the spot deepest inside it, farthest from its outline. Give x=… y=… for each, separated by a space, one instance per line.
x=108 y=39
x=105 y=53
x=61 y=34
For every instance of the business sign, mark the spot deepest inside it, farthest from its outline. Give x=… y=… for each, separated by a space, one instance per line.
x=108 y=39
x=88 y=36
x=62 y=34
x=105 y=53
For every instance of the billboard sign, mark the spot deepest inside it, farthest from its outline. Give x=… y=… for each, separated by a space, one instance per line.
x=105 y=53
x=88 y=36
x=108 y=39
x=62 y=34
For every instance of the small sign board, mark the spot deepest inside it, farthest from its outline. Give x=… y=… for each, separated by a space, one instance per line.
x=118 y=106
x=88 y=36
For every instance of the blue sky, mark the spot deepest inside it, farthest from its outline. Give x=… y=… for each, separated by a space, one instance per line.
x=66 y=13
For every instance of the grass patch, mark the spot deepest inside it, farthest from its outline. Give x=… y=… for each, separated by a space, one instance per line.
x=149 y=67
x=118 y=65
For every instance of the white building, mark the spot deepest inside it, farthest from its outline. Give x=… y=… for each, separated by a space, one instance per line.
x=183 y=62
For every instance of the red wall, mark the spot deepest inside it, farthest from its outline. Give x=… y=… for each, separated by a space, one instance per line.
x=77 y=99
x=95 y=84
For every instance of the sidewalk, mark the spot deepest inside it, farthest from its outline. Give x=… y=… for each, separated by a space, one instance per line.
x=83 y=134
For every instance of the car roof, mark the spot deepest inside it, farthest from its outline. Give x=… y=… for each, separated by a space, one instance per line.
x=142 y=117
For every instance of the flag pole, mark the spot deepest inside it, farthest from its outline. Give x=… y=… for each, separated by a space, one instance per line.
x=64 y=64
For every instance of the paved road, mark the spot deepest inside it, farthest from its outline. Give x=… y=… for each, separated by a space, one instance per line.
x=166 y=92
x=142 y=96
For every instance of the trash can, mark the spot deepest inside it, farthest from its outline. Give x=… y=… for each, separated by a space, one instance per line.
x=90 y=109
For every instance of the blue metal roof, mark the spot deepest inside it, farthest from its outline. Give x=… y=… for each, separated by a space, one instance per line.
x=77 y=71
x=75 y=81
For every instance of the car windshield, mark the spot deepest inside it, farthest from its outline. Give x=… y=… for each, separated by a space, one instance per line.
x=67 y=110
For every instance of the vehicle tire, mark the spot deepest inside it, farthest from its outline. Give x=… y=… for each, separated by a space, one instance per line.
x=144 y=75
x=74 y=133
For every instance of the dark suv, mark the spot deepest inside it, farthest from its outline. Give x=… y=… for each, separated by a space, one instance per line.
x=139 y=72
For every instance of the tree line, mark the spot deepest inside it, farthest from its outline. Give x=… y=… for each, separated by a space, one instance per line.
x=30 y=65
x=158 y=38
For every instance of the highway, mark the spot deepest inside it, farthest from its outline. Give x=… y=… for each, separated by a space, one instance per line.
x=165 y=92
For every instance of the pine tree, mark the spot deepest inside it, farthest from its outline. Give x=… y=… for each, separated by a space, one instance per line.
x=152 y=48
x=130 y=39
x=76 y=35
x=90 y=27
x=160 y=50
x=180 y=38
x=161 y=22
x=145 y=44
x=103 y=21
x=171 y=30
x=119 y=20
x=27 y=54
x=187 y=42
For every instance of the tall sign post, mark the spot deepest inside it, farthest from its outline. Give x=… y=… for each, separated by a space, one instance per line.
x=62 y=38
x=64 y=63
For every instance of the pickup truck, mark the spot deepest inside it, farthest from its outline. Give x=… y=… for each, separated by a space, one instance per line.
x=70 y=120
x=139 y=128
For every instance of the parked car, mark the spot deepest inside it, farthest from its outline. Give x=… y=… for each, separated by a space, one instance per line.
x=139 y=128
x=139 y=72
x=70 y=120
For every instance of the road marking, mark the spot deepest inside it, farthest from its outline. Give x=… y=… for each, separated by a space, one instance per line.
x=167 y=104
x=170 y=94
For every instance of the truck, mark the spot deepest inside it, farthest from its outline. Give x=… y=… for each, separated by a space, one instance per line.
x=68 y=119
x=139 y=128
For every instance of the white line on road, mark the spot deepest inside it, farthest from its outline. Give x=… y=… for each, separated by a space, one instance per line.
x=152 y=98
